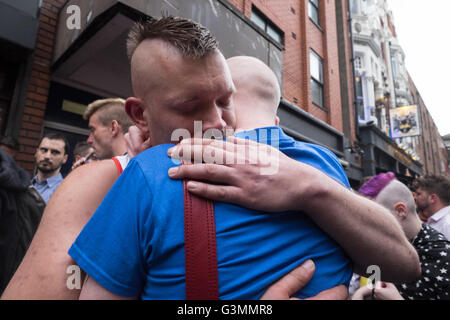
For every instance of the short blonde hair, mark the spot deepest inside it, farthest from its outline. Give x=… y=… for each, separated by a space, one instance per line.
x=108 y=110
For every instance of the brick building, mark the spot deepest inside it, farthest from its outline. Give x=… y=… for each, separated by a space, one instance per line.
x=75 y=53
x=446 y=139
x=430 y=146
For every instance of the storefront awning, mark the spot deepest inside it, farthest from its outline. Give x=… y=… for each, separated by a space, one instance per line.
x=19 y=21
x=382 y=154
x=93 y=58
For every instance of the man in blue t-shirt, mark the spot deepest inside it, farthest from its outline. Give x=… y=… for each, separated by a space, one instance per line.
x=133 y=245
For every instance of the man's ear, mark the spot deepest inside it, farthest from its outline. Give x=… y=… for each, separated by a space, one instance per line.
x=434 y=198
x=401 y=210
x=115 y=127
x=66 y=157
x=277 y=121
x=135 y=110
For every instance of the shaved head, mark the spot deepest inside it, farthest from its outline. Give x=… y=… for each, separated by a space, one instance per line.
x=396 y=192
x=154 y=43
x=157 y=56
x=258 y=92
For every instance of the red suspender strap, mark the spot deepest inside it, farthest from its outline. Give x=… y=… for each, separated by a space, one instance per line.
x=200 y=248
x=118 y=165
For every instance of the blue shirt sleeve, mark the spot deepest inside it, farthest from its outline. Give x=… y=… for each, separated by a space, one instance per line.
x=326 y=161
x=109 y=249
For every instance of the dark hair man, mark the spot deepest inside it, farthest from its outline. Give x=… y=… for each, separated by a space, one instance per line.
x=432 y=247
x=82 y=149
x=82 y=153
x=51 y=154
x=108 y=123
x=432 y=196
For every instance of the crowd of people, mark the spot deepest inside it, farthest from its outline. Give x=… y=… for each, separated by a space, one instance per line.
x=287 y=223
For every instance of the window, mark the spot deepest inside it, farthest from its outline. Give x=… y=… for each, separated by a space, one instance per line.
x=316 y=69
x=355 y=6
x=394 y=66
x=358 y=62
x=266 y=25
x=359 y=97
x=313 y=10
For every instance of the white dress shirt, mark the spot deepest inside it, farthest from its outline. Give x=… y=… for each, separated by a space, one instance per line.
x=441 y=221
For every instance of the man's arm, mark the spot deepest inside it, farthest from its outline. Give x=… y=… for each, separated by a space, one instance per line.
x=93 y=291
x=365 y=230
x=43 y=271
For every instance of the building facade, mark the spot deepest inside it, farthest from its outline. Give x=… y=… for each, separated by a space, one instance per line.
x=332 y=70
x=384 y=87
x=446 y=139
x=430 y=146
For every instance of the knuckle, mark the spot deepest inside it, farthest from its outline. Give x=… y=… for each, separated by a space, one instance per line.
x=181 y=171
x=221 y=193
x=210 y=169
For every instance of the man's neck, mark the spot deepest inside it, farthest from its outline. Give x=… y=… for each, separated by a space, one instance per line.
x=120 y=148
x=432 y=210
x=41 y=176
x=254 y=125
x=413 y=228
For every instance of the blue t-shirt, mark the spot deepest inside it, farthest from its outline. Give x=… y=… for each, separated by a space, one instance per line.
x=134 y=243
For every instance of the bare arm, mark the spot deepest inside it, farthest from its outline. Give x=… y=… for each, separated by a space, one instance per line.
x=365 y=230
x=43 y=271
x=91 y=290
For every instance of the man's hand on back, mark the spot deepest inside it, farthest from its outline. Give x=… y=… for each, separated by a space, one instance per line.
x=250 y=174
x=292 y=282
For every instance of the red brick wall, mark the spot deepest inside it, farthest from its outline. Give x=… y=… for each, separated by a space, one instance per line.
x=39 y=84
x=291 y=16
x=301 y=34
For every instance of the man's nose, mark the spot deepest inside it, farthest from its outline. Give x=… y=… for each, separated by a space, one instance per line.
x=213 y=119
x=90 y=140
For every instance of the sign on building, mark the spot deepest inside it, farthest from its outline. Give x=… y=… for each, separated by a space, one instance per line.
x=405 y=122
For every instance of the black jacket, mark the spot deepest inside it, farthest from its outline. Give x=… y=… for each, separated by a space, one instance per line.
x=21 y=209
